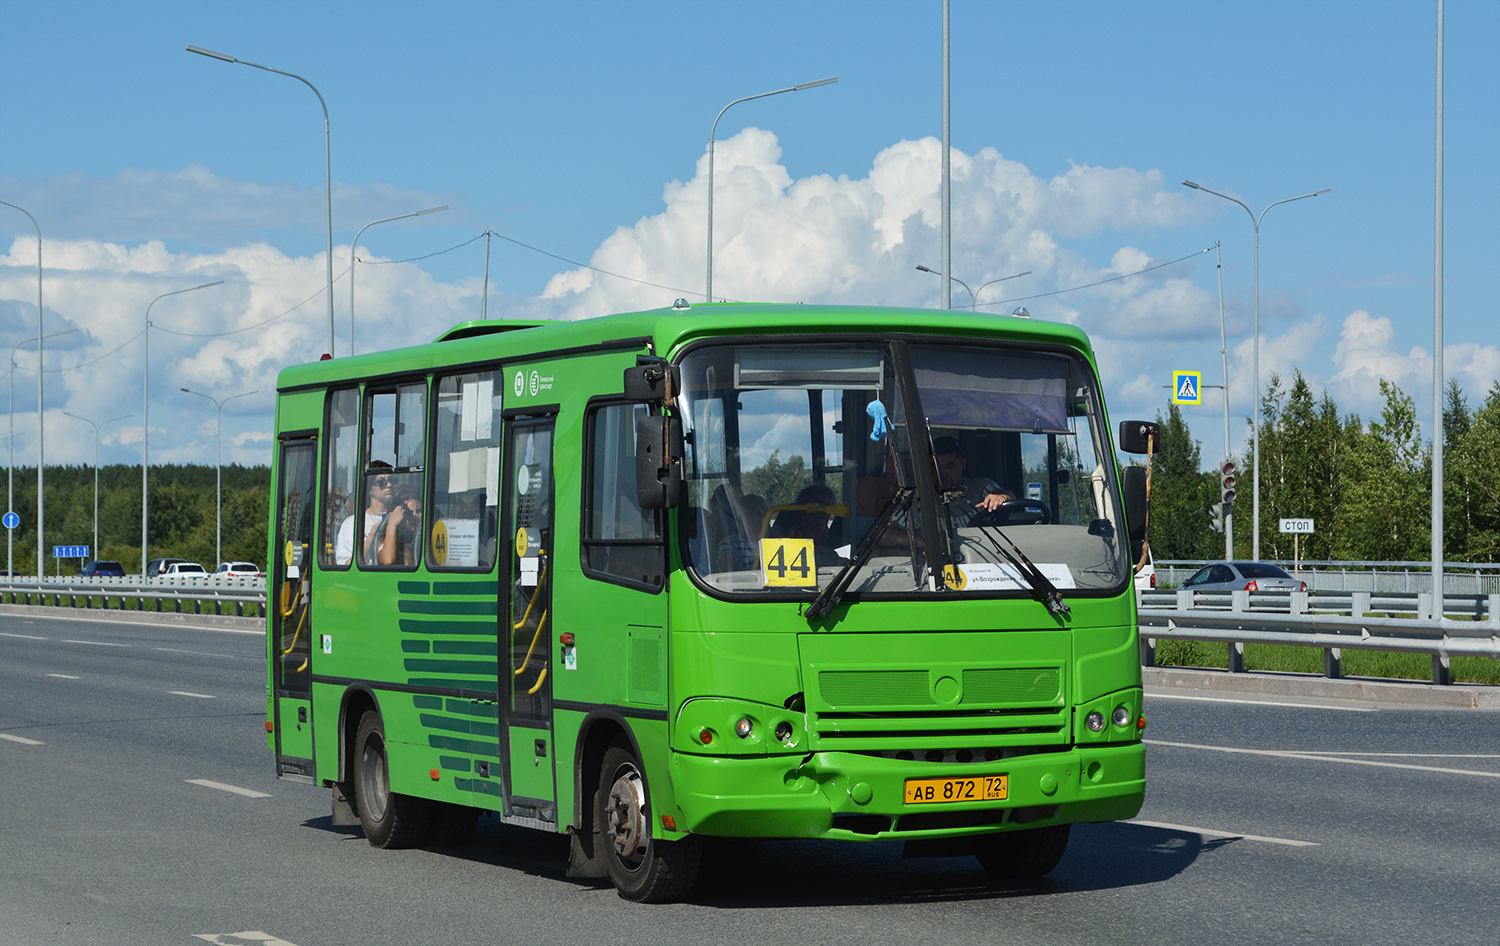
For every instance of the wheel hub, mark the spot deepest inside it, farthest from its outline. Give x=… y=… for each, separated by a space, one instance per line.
x=627 y=815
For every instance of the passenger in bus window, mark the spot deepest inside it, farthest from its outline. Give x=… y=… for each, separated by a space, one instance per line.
x=811 y=523
x=379 y=486
x=408 y=527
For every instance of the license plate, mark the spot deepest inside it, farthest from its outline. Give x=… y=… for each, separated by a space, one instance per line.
x=940 y=791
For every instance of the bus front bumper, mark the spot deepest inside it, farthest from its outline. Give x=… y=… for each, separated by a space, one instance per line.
x=849 y=796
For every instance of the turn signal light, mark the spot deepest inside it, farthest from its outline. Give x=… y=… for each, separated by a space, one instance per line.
x=269 y=726
x=1140 y=723
x=706 y=736
x=435 y=774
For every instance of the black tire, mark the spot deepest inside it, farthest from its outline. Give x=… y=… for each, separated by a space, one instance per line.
x=390 y=820
x=451 y=825
x=643 y=868
x=1022 y=855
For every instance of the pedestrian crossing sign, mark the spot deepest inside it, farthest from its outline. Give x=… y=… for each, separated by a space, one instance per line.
x=1187 y=387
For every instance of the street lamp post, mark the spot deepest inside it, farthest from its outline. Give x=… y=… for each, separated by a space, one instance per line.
x=327 y=174
x=146 y=413
x=96 y=469
x=219 y=469
x=10 y=491
x=708 y=291
x=418 y=213
x=1255 y=366
x=40 y=420
x=973 y=293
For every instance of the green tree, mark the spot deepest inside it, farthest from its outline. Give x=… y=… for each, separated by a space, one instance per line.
x=1475 y=460
x=1385 y=513
x=1180 y=495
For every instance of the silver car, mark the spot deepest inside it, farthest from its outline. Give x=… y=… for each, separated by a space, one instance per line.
x=1242 y=576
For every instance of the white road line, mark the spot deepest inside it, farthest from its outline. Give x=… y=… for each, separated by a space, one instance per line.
x=64 y=676
x=1221 y=699
x=242 y=939
x=21 y=739
x=1211 y=833
x=203 y=653
x=1315 y=756
x=201 y=696
x=96 y=643
x=24 y=637
x=207 y=783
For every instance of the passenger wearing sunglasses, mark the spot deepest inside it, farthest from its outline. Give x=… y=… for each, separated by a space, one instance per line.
x=379 y=486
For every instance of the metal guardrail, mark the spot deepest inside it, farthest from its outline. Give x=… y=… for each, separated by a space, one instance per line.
x=132 y=594
x=1480 y=578
x=1332 y=622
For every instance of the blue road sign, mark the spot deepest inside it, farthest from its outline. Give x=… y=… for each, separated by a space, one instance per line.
x=1187 y=387
x=70 y=551
x=11 y=520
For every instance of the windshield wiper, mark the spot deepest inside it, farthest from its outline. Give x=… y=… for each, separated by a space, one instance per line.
x=829 y=596
x=1039 y=582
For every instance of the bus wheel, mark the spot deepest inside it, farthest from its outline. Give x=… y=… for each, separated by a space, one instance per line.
x=1018 y=855
x=390 y=820
x=642 y=868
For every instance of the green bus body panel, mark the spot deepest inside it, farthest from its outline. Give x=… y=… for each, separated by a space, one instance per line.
x=885 y=677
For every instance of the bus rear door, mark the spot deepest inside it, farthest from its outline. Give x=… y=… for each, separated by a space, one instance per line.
x=288 y=599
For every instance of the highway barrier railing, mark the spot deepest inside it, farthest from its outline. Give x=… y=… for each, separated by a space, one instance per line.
x=1331 y=622
x=238 y=596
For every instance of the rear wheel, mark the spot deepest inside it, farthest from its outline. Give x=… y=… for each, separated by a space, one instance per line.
x=390 y=820
x=643 y=868
x=1022 y=855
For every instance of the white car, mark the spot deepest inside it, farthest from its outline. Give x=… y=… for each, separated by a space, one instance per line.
x=1145 y=576
x=244 y=569
x=184 y=568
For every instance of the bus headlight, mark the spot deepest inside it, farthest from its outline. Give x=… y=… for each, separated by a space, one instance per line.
x=1095 y=721
x=742 y=727
x=1121 y=716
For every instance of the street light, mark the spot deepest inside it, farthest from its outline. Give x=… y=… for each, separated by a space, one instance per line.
x=1255 y=367
x=96 y=469
x=708 y=291
x=429 y=210
x=327 y=175
x=973 y=293
x=218 y=470
x=10 y=486
x=146 y=412
x=41 y=426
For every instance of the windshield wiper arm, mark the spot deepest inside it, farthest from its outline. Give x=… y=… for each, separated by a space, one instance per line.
x=829 y=596
x=1039 y=582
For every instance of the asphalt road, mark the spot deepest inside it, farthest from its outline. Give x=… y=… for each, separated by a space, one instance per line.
x=138 y=806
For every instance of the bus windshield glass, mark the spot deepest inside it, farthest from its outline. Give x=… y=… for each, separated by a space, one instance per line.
x=795 y=450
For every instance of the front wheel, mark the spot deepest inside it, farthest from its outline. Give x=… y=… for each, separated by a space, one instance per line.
x=390 y=820
x=1022 y=855
x=643 y=868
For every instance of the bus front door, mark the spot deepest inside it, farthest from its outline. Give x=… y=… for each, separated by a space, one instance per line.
x=526 y=642
x=289 y=598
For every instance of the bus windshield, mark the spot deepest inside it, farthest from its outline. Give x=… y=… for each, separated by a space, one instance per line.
x=796 y=449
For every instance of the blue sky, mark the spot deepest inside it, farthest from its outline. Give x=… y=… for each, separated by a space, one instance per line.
x=578 y=129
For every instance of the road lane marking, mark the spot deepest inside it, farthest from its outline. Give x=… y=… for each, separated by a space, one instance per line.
x=1323 y=757
x=96 y=643
x=209 y=783
x=201 y=696
x=24 y=637
x=21 y=739
x=242 y=939
x=64 y=676
x=1212 y=833
x=1224 y=699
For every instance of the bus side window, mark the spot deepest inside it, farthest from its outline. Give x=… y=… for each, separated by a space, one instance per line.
x=622 y=543
x=465 y=473
x=340 y=499
x=392 y=498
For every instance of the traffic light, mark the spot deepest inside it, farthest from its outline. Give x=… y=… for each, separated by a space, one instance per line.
x=1216 y=517
x=1226 y=485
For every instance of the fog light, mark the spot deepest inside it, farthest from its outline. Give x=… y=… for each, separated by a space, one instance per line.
x=1095 y=721
x=742 y=727
x=783 y=731
x=1122 y=716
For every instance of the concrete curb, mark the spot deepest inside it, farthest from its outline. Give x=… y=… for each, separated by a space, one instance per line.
x=137 y=617
x=1413 y=693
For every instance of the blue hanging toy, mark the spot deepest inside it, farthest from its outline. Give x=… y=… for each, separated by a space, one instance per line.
x=880 y=424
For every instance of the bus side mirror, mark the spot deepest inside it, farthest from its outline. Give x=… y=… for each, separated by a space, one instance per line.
x=658 y=461
x=650 y=379
x=1135 y=502
x=1134 y=435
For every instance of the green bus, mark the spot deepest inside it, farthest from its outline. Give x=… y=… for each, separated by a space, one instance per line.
x=712 y=571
